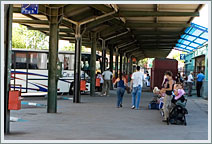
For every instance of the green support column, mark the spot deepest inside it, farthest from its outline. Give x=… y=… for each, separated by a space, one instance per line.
x=124 y=64
x=127 y=67
x=103 y=55
x=93 y=64
x=121 y=59
x=111 y=64
x=54 y=20
x=77 y=64
x=130 y=66
x=116 y=64
x=8 y=14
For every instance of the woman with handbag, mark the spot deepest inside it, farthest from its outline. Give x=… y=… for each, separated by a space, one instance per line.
x=121 y=85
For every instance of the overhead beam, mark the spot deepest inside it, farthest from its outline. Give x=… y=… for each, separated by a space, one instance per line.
x=149 y=37
x=47 y=29
x=123 y=49
x=137 y=32
x=154 y=25
x=98 y=22
x=42 y=22
x=109 y=31
x=156 y=13
x=70 y=8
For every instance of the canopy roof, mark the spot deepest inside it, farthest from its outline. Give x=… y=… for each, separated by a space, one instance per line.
x=140 y=30
x=195 y=36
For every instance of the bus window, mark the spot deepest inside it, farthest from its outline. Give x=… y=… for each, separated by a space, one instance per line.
x=21 y=61
x=61 y=59
x=69 y=61
x=37 y=61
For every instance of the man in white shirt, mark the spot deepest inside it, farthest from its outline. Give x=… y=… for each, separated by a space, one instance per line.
x=190 y=83
x=107 y=76
x=136 y=87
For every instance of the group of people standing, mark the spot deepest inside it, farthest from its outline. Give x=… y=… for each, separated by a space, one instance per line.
x=170 y=87
x=190 y=81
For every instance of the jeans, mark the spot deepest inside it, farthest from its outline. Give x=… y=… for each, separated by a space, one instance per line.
x=120 y=93
x=136 y=92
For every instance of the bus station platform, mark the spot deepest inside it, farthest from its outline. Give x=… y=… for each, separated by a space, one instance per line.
x=97 y=118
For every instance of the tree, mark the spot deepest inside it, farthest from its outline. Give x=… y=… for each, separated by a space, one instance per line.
x=28 y=39
x=71 y=47
x=143 y=63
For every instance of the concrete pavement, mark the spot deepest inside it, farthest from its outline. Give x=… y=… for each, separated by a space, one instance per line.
x=97 y=118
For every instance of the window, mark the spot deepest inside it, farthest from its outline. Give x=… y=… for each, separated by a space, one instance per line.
x=67 y=61
x=37 y=61
x=21 y=62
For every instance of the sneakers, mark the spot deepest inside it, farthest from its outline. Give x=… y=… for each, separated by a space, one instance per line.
x=120 y=105
x=133 y=107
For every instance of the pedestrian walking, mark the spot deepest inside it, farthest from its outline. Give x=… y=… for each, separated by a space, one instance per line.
x=121 y=85
x=168 y=95
x=190 y=83
x=107 y=76
x=200 y=78
x=136 y=85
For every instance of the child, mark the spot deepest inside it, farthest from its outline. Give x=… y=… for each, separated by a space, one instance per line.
x=178 y=92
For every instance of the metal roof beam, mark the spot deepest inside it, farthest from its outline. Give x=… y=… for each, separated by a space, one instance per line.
x=42 y=22
x=137 y=32
x=191 y=41
x=72 y=7
x=122 y=42
x=149 y=37
x=154 y=25
x=108 y=31
x=116 y=36
x=129 y=47
x=124 y=45
x=196 y=36
x=156 y=14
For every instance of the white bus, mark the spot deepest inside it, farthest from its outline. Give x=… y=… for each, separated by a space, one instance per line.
x=29 y=69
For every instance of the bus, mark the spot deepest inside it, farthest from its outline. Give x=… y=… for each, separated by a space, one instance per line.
x=29 y=69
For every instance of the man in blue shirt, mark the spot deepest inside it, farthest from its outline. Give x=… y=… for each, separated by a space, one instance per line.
x=200 y=78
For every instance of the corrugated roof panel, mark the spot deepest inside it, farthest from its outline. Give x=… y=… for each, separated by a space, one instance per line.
x=193 y=37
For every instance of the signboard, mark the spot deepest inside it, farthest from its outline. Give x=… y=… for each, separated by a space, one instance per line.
x=29 y=8
x=182 y=56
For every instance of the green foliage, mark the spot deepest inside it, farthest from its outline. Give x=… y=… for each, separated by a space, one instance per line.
x=71 y=47
x=28 y=39
x=143 y=62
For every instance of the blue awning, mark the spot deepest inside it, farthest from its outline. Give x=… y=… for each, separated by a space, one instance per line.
x=194 y=36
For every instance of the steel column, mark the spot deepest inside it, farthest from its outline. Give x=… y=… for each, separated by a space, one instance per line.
x=52 y=68
x=116 y=64
x=8 y=14
x=77 y=67
x=124 y=65
x=127 y=71
x=93 y=64
x=121 y=59
x=103 y=55
x=111 y=65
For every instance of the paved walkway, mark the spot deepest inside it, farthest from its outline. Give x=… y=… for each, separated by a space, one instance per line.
x=97 y=118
